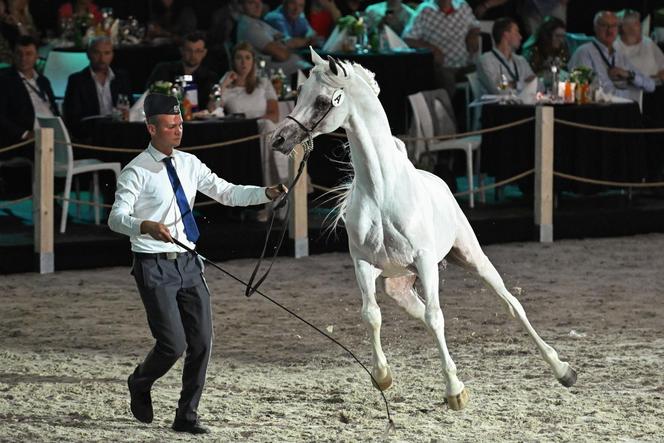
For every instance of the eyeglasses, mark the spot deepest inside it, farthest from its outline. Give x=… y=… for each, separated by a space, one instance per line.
x=608 y=25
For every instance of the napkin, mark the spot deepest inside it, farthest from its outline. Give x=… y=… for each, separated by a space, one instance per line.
x=335 y=42
x=528 y=94
x=393 y=40
x=301 y=77
x=136 y=112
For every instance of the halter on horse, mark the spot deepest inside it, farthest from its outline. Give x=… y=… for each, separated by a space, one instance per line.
x=401 y=222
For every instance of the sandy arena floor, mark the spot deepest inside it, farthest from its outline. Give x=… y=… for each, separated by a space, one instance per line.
x=69 y=340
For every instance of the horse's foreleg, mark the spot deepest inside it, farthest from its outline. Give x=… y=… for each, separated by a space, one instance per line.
x=468 y=253
x=366 y=280
x=427 y=269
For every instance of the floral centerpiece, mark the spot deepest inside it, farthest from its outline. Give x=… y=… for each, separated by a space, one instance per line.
x=582 y=76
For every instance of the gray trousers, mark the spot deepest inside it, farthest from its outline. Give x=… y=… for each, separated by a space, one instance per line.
x=177 y=304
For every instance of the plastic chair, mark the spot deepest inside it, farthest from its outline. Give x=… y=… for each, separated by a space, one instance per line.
x=424 y=127
x=59 y=65
x=66 y=166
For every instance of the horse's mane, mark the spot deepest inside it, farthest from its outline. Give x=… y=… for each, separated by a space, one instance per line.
x=340 y=80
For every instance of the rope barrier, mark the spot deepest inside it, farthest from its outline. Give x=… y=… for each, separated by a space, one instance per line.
x=189 y=148
x=12 y=202
x=17 y=145
x=607 y=182
x=475 y=191
x=406 y=138
x=607 y=129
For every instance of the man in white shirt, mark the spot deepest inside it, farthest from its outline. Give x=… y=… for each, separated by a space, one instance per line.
x=639 y=49
x=501 y=66
x=153 y=201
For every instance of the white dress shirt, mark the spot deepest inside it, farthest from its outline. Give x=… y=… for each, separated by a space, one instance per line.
x=645 y=55
x=39 y=99
x=104 y=92
x=144 y=192
x=492 y=65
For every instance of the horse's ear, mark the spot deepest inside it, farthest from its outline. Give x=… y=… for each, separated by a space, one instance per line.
x=333 y=65
x=315 y=57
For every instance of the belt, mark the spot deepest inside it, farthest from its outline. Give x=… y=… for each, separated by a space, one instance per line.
x=162 y=255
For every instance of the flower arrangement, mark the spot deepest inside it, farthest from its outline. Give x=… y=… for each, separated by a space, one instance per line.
x=352 y=25
x=581 y=74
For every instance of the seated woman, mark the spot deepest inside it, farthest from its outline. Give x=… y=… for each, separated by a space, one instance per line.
x=547 y=47
x=18 y=17
x=243 y=92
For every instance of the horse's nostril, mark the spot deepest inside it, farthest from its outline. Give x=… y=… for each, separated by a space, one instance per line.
x=278 y=142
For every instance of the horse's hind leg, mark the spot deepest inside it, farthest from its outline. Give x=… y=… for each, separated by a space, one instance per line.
x=467 y=253
x=366 y=279
x=402 y=291
x=427 y=270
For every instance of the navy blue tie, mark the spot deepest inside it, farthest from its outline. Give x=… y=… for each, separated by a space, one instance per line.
x=190 y=228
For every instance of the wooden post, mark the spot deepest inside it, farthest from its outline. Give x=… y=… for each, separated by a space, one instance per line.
x=42 y=206
x=544 y=120
x=298 y=228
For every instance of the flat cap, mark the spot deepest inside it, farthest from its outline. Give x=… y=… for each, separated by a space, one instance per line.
x=156 y=104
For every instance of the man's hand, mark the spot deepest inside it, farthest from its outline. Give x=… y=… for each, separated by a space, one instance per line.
x=617 y=73
x=158 y=231
x=273 y=192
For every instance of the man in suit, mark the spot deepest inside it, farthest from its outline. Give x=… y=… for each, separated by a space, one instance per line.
x=193 y=52
x=24 y=94
x=95 y=89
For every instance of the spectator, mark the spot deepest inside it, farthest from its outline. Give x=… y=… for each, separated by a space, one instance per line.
x=501 y=63
x=547 y=47
x=193 y=52
x=487 y=9
x=323 y=16
x=640 y=50
x=349 y=7
x=267 y=40
x=80 y=8
x=392 y=13
x=534 y=11
x=450 y=30
x=24 y=94
x=94 y=90
x=243 y=92
x=170 y=19
x=614 y=71
x=18 y=14
x=289 y=19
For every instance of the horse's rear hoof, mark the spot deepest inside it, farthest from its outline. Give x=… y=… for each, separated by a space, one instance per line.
x=382 y=383
x=459 y=401
x=569 y=378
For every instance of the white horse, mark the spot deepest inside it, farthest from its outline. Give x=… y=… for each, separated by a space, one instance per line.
x=401 y=221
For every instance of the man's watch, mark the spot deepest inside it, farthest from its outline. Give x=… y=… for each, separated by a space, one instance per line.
x=630 y=76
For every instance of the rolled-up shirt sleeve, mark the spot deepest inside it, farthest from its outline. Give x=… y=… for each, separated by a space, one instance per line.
x=228 y=193
x=121 y=218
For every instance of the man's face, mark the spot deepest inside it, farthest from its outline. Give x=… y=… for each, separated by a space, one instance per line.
x=101 y=56
x=513 y=37
x=606 y=29
x=25 y=58
x=293 y=9
x=193 y=53
x=631 y=29
x=167 y=130
x=253 y=8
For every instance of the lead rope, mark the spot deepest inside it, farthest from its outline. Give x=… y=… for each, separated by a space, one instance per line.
x=390 y=425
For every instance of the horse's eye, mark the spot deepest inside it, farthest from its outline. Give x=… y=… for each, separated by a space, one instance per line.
x=321 y=102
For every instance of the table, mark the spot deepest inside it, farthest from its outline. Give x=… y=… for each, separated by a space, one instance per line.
x=238 y=163
x=653 y=117
x=582 y=152
x=138 y=61
x=398 y=74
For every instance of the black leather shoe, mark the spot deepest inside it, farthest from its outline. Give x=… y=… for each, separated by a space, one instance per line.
x=141 y=402
x=192 y=427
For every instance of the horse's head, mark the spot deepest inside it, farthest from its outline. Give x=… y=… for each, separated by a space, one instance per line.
x=322 y=104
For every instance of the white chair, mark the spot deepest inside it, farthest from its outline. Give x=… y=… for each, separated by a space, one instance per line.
x=424 y=127
x=59 y=65
x=476 y=93
x=66 y=166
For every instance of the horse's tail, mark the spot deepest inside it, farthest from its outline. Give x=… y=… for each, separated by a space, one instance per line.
x=338 y=212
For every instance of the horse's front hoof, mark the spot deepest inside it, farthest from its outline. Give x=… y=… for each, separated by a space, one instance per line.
x=384 y=381
x=459 y=401
x=569 y=378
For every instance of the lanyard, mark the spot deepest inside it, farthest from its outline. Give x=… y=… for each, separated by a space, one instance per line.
x=611 y=63
x=515 y=74
x=37 y=91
